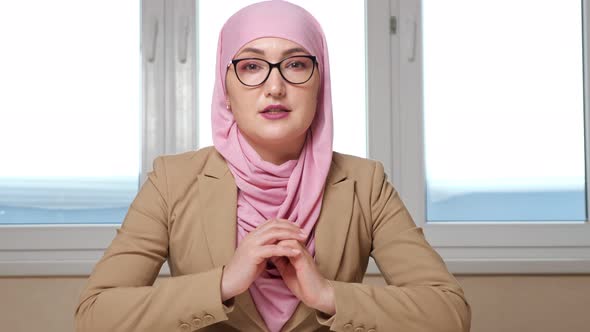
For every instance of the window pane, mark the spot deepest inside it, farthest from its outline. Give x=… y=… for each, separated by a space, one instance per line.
x=345 y=34
x=70 y=110
x=503 y=105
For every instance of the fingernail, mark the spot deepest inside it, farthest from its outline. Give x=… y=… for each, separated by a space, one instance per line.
x=297 y=251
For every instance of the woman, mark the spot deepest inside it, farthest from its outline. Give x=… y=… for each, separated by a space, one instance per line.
x=269 y=230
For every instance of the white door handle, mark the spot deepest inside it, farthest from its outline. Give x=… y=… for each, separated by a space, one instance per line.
x=152 y=40
x=411 y=39
x=183 y=39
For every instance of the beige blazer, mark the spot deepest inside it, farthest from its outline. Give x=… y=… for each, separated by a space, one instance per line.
x=186 y=213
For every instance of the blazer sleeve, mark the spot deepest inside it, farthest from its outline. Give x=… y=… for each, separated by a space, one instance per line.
x=421 y=295
x=120 y=295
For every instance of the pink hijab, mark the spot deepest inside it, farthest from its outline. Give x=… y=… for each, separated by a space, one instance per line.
x=294 y=189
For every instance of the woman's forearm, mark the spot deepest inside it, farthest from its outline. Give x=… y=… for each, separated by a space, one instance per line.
x=328 y=303
x=105 y=306
x=228 y=289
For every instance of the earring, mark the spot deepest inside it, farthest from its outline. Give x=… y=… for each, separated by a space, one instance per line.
x=227 y=106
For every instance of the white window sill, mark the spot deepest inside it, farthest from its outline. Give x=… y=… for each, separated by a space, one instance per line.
x=73 y=250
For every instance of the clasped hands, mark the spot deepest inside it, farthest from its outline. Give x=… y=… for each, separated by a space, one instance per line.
x=283 y=243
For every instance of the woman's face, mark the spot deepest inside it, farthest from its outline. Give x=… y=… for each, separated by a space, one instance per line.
x=250 y=104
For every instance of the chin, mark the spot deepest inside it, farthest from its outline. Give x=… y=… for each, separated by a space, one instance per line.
x=276 y=137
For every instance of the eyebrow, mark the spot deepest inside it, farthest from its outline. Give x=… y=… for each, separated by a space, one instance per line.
x=285 y=53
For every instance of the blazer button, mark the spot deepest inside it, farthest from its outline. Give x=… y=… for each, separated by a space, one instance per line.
x=197 y=322
x=184 y=327
x=359 y=329
x=208 y=319
x=347 y=327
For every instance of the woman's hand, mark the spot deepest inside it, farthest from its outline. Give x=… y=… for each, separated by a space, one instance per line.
x=303 y=278
x=249 y=259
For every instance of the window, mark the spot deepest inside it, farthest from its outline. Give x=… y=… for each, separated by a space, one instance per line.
x=503 y=111
x=491 y=154
x=71 y=109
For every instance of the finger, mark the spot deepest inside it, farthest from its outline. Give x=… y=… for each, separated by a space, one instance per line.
x=295 y=245
x=278 y=226
x=272 y=226
x=274 y=250
x=263 y=227
x=281 y=223
x=292 y=243
x=278 y=235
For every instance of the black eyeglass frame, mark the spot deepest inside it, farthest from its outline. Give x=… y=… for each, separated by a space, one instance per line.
x=275 y=65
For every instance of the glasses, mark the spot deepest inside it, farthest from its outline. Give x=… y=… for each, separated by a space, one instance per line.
x=295 y=70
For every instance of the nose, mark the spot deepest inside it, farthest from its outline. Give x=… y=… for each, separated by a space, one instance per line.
x=275 y=84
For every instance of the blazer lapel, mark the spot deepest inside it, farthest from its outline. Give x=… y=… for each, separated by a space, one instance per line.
x=331 y=232
x=218 y=197
x=218 y=204
x=331 y=229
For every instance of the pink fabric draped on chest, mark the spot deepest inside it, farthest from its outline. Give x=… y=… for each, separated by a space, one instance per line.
x=292 y=190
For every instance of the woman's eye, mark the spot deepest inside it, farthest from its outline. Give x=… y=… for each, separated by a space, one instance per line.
x=250 y=67
x=296 y=65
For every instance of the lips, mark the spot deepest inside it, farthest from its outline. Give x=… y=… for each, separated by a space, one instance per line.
x=276 y=108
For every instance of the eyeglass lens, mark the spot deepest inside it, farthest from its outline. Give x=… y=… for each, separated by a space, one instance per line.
x=294 y=69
